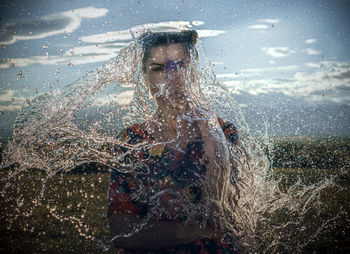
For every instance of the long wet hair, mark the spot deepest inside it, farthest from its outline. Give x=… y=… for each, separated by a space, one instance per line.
x=149 y=40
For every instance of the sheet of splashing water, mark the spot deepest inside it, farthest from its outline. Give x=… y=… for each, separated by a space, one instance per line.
x=64 y=131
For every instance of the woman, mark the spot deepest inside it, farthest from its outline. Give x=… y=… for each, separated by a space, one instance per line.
x=159 y=200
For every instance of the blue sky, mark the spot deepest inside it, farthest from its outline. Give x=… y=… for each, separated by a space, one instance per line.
x=286 y=62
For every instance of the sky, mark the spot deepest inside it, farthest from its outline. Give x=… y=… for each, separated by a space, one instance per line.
x=287 y=63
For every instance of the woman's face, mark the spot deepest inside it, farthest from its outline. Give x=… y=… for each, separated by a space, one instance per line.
x=166 y=84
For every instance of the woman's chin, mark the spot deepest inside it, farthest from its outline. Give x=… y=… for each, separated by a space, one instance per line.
x=176 y=104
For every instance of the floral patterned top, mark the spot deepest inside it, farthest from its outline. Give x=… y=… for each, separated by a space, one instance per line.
x=182 y=169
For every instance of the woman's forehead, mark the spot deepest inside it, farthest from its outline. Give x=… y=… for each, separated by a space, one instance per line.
x=163 y=53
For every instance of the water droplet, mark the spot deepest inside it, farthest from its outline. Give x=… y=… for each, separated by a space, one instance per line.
x=20 y=74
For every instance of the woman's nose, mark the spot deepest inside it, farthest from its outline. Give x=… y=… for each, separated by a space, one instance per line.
x=174 y=76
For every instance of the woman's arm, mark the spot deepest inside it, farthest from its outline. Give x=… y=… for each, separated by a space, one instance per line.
x=154 y=234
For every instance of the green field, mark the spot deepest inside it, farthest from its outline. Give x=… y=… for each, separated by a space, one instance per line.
x=81 y=201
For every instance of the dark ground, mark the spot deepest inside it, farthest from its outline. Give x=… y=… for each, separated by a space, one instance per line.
x=82 y=197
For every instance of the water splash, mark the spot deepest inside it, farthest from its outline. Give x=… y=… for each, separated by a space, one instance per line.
x=61 y=131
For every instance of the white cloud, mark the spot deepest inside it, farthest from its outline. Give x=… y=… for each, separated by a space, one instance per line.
x=333 y=65
x=5 y=95
x=278 y=51
x=107 y=48
x=227 y=75
x=53 y=60
x=209 y=33
x=258 y=27
x=234 y=75
x=270 y=21
x=127 y=34
x=63 y=22
x=236 y=86
x=89 y=12
x=313 y=65
x=329 y=81
x=217 y=63
x=273 y=69
x=243 y=105
x=123 y=35
x=311 y=51
x=197 y=23
x=310 y=41
x=9 y=101
x=136 y=31
x=77 y=55
x=122 y=99
x=11 y=107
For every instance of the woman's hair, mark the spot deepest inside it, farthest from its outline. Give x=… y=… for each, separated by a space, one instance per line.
x=149 y=40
